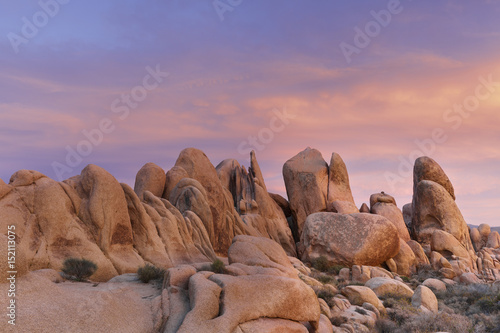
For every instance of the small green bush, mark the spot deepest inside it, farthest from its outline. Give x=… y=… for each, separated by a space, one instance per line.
x=326 y=295
x=405 y=278
x=218 y=267
x=327 y=279
x=80 y=269
x=321 y=264
x=149 y=272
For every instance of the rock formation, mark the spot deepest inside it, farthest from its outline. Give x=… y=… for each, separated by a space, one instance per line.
x=312 y=186
x=254 y=204
x=195 y=214
x=434 y=206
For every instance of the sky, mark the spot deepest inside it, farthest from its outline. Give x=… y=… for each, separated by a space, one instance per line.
x=120 y=83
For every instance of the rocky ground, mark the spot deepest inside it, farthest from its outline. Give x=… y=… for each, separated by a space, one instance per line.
x=311 y=263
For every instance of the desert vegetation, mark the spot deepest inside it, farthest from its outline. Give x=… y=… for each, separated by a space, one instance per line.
x=79 y=269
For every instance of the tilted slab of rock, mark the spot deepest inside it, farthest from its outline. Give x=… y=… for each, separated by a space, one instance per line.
x=148 y=243
x=251 y=200
x=426 y=168
x=405 y=260
x=420 y=255
x=339 y=196
x=355 y=239
x=435 y=209
x=104 y=209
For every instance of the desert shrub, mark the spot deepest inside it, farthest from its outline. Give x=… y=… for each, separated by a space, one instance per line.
x=399 y=309
x=384 y=325
x=149 y=272
x=337 y=321
x=440 y=322
x=405 y=278
x=218 y=266
x=335 y=269
x=484 y=323
x=323 y=265
x=326 y=279
x=471 y=299
x=425 y=272
x=326 y=295
x=81 y=269
x=487 y=304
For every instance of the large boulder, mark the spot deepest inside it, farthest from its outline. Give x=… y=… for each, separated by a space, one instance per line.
x=447 y=245
x=150 y=178
x=283 y=203
x=358 y=295
x=434 y=209
x=424 y=299
x=355 y=239
x=306 y=181
x=382 y=287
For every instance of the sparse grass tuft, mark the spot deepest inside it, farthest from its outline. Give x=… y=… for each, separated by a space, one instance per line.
x=149 y=272
x=323 y=265
x=80 y=269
